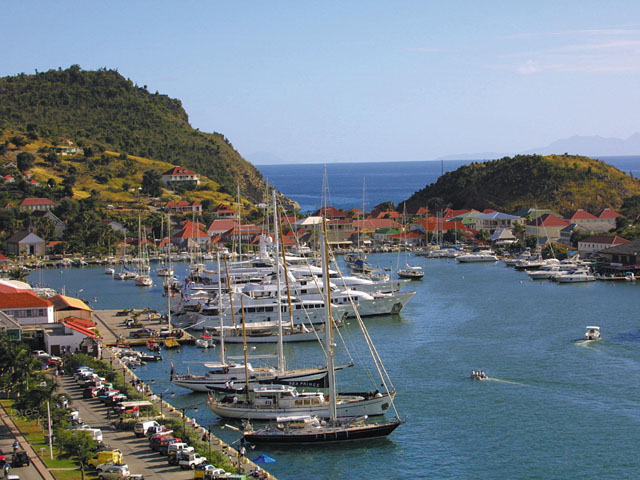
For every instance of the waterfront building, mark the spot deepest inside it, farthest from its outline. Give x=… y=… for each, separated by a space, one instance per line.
x=224 y=211
x=59 y=225
x=492 y=221
x=547 y=226
x=66 y=307
x=624 y=254
x=596 y=243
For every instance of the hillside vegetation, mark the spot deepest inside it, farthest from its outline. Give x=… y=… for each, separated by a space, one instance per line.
x=102 y=109
x=559 y=182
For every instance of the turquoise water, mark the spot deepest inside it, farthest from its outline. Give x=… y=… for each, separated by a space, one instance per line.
x=554 y=408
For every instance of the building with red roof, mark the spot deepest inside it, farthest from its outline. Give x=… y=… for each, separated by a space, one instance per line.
x=590 y=245
x=546 y=225
x=71 y=335
x=190 y=234
x=330 y=213
x=179 y=175
x=27 y=308
x=607 y=217
x=372 y=224
x=29 y=204
x=224 y=211
x=183 y=207
x=218 y=227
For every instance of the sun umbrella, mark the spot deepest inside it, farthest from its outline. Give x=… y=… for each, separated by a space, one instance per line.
x=262 y=458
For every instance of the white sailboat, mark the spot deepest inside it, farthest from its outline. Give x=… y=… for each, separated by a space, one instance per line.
x=413 y=272
x=143 y=279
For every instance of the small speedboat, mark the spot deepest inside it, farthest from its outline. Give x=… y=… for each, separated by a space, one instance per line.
x=109 y=271
x=205 y=341
x=592 y=334
x=478 y=375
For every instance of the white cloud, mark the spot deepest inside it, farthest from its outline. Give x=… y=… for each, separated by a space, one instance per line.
x=528 y=68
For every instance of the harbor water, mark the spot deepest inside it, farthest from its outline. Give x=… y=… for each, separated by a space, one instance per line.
x=553 y=408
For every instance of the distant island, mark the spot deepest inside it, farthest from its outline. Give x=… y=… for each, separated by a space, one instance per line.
x=593 y=146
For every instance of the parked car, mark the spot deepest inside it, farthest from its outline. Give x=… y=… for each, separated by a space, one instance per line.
x=115 y=472
x=20 y=458
x=208 y=472
x=191 y=461
x=3 y=458
x=156 y=429
x=143 y=333
x=141 y=428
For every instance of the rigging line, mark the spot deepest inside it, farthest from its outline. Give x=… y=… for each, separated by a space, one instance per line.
x=372 y=349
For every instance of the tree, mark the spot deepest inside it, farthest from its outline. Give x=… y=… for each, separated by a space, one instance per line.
x=126 y=186
x=78 y=444
x=18 y=141
x=52 y=158
x=52 y=183
x=152 y=183
x=25 y=161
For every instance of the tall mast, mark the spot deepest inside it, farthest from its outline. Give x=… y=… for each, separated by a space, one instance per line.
x=426 y=229
x=328 y=323
x=244 y=348
x=281 y=367
x=220 y=316
x=239 y=231
x=230 y=290
x=169 y=279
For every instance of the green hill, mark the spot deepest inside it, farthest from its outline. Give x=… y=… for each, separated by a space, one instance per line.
x=103 y=110
x=560 y=182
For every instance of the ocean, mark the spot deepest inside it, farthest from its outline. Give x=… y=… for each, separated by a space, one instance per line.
x=395 y=181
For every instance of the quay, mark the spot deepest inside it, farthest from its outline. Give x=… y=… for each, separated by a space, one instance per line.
x=113 y=329
x=111 y=326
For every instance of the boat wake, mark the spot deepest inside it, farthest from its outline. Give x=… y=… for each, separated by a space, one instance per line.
x=500 y=380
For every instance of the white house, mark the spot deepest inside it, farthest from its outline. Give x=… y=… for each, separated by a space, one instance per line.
x=180 y=174
x=27 y=308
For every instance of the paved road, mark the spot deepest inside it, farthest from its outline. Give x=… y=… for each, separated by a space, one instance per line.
x=8 y=434
x=136 y=452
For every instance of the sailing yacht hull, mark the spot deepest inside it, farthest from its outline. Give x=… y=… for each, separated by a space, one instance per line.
x=372 y=406
x=322 y=434
x=315 y=378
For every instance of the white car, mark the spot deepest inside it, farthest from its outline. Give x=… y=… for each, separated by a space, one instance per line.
x=104 y=466
x=115 y=472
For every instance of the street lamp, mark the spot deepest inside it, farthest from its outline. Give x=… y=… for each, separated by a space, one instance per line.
x=184 y=419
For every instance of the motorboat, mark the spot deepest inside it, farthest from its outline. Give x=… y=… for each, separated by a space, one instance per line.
x=164 y=272
x=480 y=256
x=544 y=273
x=109 y=271
x=144 y=281
x=478 y=375
x=576 y=276
x=205 y=341
x=592 y=334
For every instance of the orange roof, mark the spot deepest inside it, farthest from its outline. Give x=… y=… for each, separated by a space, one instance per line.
x=330 y=212
x=30 y=202
x=81 y=321
x=581 y=214
x=22 y=300
x=222 y=225
x=548 y=220
x=79 y=328
x=2 y=257
x=608 y=213
x=449 y=212
x=373 y=223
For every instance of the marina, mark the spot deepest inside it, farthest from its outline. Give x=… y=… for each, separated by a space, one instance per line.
x=463 y=317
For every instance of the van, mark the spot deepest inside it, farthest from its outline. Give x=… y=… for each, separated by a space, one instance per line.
x=141 y=428
x=110 y=456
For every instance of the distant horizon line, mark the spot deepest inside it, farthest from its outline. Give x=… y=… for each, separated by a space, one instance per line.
x=434 y=160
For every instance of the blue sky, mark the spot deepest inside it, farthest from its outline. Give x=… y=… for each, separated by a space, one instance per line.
x=355 y=81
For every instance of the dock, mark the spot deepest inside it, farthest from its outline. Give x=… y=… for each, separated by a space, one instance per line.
x=112 y=326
